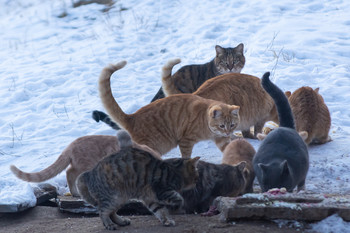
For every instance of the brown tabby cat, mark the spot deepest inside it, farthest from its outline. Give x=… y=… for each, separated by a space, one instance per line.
x=82 y=155
x=237 y=151
x=132 y=173
x=177 y=120
x=188 y=78
x=311 y=114
x=256 y=106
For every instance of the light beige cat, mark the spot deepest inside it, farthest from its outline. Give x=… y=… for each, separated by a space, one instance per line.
x=237 y=151
x=256 y=106
x=311 y=114
x=177 y=120
x=82 y=155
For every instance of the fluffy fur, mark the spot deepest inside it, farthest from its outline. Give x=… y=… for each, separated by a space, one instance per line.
x=189 y=78
x=214 y=180
x=282 y=159
x=177 y=120
x=82 y=155
x=237 y=151
x=311 y=114
x=132 y=173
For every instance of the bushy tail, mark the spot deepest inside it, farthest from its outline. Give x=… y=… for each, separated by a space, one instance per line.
x=53 y=170
x=168 y=85
x=101 y=116
x=285 y=114
x=124 y=139
x=112 y=107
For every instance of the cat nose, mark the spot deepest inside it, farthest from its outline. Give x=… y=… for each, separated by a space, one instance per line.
x=230 y=67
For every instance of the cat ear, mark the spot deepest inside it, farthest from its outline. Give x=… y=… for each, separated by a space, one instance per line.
x=215 y=112
x=304 y=135
x=288 y=93
x=219 y=50
x=240 y=48
x=235 y=111
x=284 y=166
x=241 y=166
x=317 y=89
x=263 y=167
x=195 y=161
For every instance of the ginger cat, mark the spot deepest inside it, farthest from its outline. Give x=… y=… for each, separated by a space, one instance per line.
x=237 y=151
x=82 y=155
x=177 y=120
x=256 y=106
x=311 y=114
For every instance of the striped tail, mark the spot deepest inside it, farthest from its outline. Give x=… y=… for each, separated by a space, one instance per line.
x=285 y=114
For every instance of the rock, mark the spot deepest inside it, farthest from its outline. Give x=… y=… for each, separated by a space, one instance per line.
x=291 y=206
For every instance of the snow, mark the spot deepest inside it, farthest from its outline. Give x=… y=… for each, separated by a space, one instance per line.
x=49 y=68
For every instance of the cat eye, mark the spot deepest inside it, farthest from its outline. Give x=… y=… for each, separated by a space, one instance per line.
x=232 y=125
x=222 y=126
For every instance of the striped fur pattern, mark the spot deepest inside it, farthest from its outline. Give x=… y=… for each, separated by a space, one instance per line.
x=311 y=114
x=81 y=155
x=282 y=159
x=132 y=173
x=189 y=78
x=237 y=151
x=214 y=180
x=179 y=120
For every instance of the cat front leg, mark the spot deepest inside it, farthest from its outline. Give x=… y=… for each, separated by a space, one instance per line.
x=248 y=134
x=258 y=127
x=107 y=221
x=301 y=186
x=162 y=213
x=121 y=221
x=186 y=147
x=222 y=142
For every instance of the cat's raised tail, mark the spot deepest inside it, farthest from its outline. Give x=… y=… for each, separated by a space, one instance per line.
x=285 y=114
x=109 y=103
x=167 y=84
x=124 y=139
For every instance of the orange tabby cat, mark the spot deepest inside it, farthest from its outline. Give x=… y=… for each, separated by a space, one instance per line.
x=237 y=151
x=177 y=120
x=82 y=155
x=311 y=114
x=256 y=106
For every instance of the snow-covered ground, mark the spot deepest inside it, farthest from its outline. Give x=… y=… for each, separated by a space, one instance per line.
x=49 y=66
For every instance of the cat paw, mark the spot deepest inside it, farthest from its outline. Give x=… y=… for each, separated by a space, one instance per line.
x=124 y=222
x=169 y=223
x=111 y=226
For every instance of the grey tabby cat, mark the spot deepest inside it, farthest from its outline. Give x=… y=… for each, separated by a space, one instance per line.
x=214 y=180
x=133 y=173
x=189 y=78
x=282 y=159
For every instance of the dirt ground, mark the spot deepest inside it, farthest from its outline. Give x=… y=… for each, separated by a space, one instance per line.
x=43 y=219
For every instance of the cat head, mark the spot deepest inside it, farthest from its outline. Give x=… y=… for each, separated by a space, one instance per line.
x=275 y=175
x=188 y=170
x=223 y=119
x=229 y=60
x=240 y=174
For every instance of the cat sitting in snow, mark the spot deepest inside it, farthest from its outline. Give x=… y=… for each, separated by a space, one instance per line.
x=282 y=159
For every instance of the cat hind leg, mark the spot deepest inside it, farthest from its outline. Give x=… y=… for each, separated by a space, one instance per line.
x=162 y=213
x=121 y=221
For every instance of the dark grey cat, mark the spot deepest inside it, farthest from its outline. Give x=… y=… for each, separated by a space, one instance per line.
x=188 y=78
x=214 y=180
x=132 y=173
x=282 y=159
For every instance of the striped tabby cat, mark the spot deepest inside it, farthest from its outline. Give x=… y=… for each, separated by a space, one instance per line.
x=188 y=78
x=132 y=173
x=180 y=120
